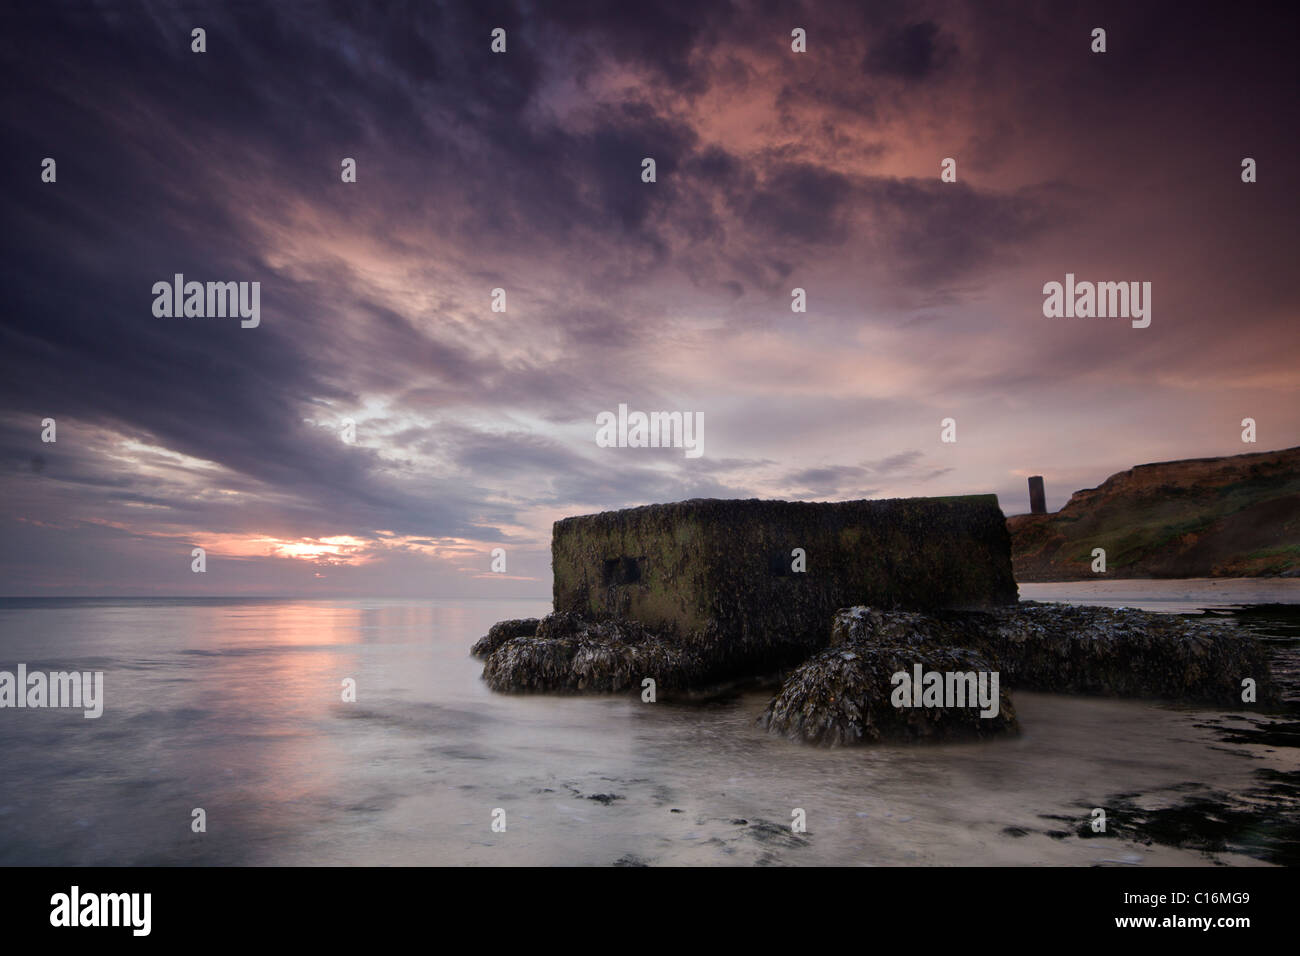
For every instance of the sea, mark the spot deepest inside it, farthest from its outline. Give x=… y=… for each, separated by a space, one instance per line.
x=226 y=739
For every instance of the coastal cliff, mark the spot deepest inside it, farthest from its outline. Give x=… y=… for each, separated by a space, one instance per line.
x=1236 y=516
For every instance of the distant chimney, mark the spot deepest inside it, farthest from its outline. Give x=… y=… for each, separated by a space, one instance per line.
x=1037 y=498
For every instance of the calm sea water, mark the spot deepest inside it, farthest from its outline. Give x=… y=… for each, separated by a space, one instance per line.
x=234 y=706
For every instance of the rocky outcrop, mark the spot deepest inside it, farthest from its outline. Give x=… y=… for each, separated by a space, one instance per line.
x=1046 y=647
x=1084 y=650
x=567 y=654
x=501 y=632
x=1127 y=653
x=1236 y=516
x=846 y=695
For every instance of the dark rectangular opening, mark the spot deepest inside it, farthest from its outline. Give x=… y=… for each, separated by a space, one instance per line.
x=622 y=570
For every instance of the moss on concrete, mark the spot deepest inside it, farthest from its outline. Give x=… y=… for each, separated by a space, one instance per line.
x=716 y=575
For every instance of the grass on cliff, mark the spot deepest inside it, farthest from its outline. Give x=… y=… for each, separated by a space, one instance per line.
x=1154 y=523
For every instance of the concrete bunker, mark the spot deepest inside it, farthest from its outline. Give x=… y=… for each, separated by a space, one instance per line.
x=721 y=575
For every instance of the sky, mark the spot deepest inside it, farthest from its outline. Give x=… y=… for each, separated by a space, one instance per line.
x=523 y=171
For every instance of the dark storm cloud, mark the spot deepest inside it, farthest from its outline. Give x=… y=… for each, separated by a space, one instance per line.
x=800 y=201
x=523 y=171
x=893 y=463
x=133 y=209
x=850 y=480
x=666 y=37
x=912 y=52
x=936 y=232
x=825 y=480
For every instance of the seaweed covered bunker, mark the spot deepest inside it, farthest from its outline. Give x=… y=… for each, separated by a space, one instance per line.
x=760 y=580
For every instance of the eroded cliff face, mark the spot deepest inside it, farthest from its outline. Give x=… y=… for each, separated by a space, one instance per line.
x=1237 y=516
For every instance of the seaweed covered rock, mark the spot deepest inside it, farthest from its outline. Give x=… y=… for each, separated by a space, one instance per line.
x=1123 y=652
x=853 y=624
x=569 y=654
x=503 y=631
x=1116 y=652
x=848 y=694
